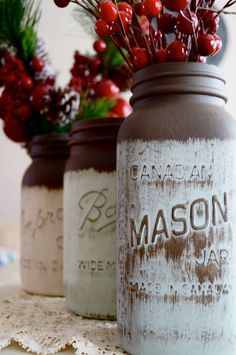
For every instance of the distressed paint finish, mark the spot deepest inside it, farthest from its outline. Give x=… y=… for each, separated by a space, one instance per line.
x=42 y=240
x=176 y=247
x=90 y=242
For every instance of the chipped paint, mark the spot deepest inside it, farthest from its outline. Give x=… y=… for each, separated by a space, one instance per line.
x=176 y=247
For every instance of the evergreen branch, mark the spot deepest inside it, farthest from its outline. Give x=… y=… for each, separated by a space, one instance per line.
x=18 y=22
x=85 y=19
x=98 y=108
x=111 y=58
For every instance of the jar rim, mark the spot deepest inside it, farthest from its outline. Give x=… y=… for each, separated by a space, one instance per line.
x=178 y=68
x=178 y=78
x=50 y=137
x=88 y=124
x=95 y=130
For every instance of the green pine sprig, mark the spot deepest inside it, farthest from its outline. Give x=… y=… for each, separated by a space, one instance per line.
x=41 y=125
x=85 y=19
x=97 y=108
x=18 y=27
x=111 y=58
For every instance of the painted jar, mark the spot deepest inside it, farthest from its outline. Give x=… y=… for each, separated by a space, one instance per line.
x=177 y=214
x=90 y=219
x=42 y=215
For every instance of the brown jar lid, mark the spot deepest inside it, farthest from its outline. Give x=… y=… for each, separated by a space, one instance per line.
x=178 y=78
x=95 y=130
x=50 y=145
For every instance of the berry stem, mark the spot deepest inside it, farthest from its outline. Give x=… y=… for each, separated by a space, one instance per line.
x=152 y=39
x=86 y=7
x=123 y=55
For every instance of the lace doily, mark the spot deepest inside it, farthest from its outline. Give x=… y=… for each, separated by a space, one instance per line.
x=43 y=325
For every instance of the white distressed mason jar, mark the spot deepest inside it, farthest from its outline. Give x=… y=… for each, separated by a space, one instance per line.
x=41 y=260
x=90 y=219
x=177 y=215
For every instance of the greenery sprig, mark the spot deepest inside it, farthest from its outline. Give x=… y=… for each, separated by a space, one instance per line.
x=30 y=102
x=18 y=27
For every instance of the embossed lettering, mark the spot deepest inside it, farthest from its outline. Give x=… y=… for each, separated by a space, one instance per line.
x=145 y=173
x=202 y=210
x=134 y=172
x=42 y=218
x=179 y=219
x=212 y=257
x=140 y=237
x=217 y=206
x=182 y=217
x=160 y=226
x=95 y=205
x=178 y=172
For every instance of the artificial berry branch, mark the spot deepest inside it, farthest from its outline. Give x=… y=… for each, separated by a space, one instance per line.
x=30 y=102
x=158 y=31
x=92 y=79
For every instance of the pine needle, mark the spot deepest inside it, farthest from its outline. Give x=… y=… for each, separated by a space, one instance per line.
x=18 y=27
x=86 y=21
x=98 y=108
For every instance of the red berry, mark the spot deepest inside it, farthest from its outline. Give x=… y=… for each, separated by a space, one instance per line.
x=8 y=58
x=114 y=28
x=152 y=8
x=102 y=28
x=122 y=108
x=81 y=59
x=187 y=22
x=27 y=82
x=218 y=43
x=201 y=59
x=38 y=95
x=124 y=19
x=37 y=64
x=15 y=130
x=24 y=112
x=106 y=88
x=211 y=21
x=161 y=55
x=100 y=46
x=139 y=9
x=176 y=5
x=112 y=115
x=167 y=23
x=62 y=3
x=139 y=56
x=206 y=44
x=177 y=52
x=124 y=6
x=95 y=63
x=50 y=81
x=108 y=11
x=10 y=79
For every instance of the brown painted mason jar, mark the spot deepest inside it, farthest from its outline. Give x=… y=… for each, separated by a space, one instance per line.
x=177 y=214
x=41 y=220
x=90 y=219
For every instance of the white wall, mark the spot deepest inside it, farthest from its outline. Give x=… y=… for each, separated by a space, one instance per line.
x=62 y=36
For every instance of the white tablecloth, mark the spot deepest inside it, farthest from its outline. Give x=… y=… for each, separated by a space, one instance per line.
x=42 y=324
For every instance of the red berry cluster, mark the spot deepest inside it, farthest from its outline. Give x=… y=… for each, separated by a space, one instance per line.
x=28 y=94
x=158 y=31
x=89 y=81
x=85 y=72
x=144 y=30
